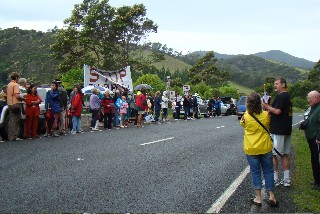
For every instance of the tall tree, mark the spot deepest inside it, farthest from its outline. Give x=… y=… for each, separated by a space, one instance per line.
x=101 y=35
x=205 y=70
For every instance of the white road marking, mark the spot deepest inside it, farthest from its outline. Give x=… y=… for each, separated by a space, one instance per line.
x=222 y=126
x=79 y=159
x=157 y=141
x=219 y=203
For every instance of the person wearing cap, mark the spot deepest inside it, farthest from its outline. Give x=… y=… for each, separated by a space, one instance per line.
x=164 y=106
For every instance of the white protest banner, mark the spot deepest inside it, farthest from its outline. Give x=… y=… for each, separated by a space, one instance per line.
x=109 y=79
x=172 y=96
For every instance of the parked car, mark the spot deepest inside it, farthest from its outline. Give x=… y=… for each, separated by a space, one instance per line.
x=232 y=108
x=241 y=106
x=4 y=118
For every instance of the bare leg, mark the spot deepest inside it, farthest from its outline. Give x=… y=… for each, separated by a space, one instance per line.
x=258 y=195
x=285 y=162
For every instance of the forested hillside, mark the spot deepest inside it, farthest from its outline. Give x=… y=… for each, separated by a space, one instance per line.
x=281 y=56
x=251 y=71
x=28 y=52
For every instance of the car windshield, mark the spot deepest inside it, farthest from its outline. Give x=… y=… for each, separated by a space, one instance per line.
x=242 y=101
x=42 y=93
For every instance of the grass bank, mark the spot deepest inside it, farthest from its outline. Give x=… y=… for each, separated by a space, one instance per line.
x=306 y=199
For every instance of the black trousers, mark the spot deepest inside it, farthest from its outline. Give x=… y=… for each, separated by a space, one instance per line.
x=177 y=112
x=107 y=120
x=315 y=162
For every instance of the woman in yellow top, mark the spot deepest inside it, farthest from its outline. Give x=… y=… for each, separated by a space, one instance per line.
x=257 y=146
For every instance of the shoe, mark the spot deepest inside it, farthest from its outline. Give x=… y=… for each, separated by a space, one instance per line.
x=56 y=135
x=95 y=129
x=272 y=203
x=46 y=135
x=277 y=182
x=109 y=129
x=80 y=131
x=73 y=132
x=159 y=123
x=255 y=203
x=286 y=183
x=122 y=127
x=125 y=126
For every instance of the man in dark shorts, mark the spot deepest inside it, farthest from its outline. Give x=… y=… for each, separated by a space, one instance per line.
x=280 y=129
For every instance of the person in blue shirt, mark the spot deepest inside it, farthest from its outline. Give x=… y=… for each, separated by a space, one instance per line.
x=217 y=106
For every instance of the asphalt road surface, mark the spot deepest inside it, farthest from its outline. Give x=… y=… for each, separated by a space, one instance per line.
x=172 y=167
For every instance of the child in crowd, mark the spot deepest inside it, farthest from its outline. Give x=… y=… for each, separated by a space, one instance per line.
x=123 y=112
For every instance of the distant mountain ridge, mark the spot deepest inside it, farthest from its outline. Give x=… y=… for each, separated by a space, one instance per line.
x=275 y=55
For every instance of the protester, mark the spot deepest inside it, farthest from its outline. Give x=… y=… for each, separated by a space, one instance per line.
x=195 y=107
x=94 y=105
x=164 y=106
x=141 y=104
x=52 y=104
x=116 y=121
x=257 y=147
x=312 y=134
x=14 y=104
x=123 y=112
x=157 y=106
x=211 y=105
x=281 y=128
x=217 y=106
x=63 y=108
x=76 y=109
x=108 y=110
x=32 y=111
x=186 y=106
x=23 y=93
x=177 y=107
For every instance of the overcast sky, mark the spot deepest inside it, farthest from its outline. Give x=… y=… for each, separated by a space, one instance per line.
x=224 y=26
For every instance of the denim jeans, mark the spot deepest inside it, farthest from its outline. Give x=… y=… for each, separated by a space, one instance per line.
x=186 y=112
x=116 y=121
x=264 y=162
x=76 y=123
x=94 y=118
x=156 y=118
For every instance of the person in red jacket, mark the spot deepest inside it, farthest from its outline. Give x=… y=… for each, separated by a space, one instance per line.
x=108 y=110
x=32 y=111
x=141 y=106
x=76 y=109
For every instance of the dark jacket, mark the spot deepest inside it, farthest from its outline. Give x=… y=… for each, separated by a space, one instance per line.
x=53 y=101
x=186 y=103
x=157 y=103
x=195 y=102
x=63 y=97
x=313 y=125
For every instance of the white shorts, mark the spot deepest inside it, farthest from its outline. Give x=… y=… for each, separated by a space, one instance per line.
x=282 y=143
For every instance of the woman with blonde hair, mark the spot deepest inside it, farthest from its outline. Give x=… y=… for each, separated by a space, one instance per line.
x=257 y=146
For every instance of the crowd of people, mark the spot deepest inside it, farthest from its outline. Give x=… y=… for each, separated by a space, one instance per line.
x=63 y=112
x=267 y=138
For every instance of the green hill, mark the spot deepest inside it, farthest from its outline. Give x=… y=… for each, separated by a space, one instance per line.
x=251 y=71
x=281 y=56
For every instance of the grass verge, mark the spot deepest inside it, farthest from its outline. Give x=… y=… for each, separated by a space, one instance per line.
x=306 y=199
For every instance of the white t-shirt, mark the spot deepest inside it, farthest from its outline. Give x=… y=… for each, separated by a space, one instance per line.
x=164 y=103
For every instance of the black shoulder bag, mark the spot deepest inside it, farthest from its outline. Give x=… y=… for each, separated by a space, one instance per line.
x=254 y=117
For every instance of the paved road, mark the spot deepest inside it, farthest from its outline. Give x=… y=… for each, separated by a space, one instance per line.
x=173 y=167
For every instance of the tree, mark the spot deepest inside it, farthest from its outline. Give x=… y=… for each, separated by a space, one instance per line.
x=205 y=70
x=204 y=90
x=153 y=80
x=101 y=35
x=229 y=91
x=71 y=77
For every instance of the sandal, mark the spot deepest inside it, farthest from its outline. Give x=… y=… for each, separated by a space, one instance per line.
x=273 y=203
x=255 y=203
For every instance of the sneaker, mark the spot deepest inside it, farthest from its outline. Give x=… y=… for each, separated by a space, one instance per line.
x=73 y=132
x=80 y=131
x=277 y=182
x=95 y=129
x=56 y=135
x=46 y=135
x=122 y=127
x=286 y=183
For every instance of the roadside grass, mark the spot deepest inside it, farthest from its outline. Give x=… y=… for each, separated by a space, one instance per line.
x=306 y=199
